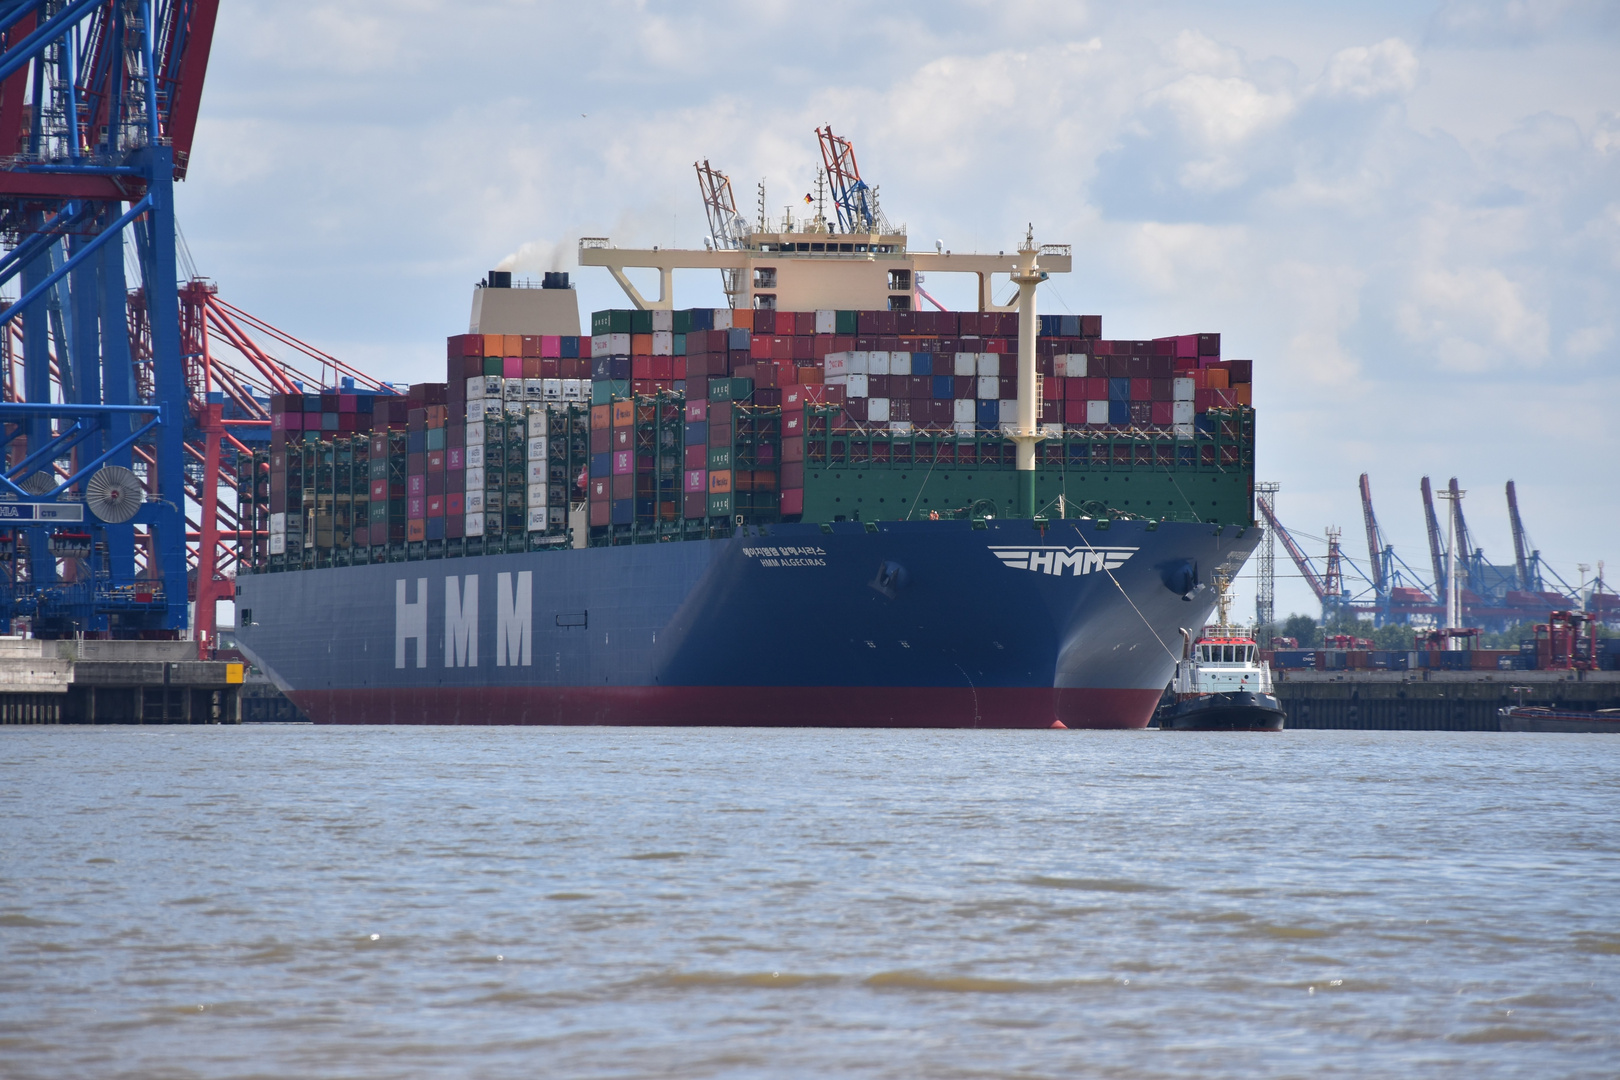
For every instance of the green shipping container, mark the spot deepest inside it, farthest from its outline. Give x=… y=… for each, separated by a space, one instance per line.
x=730 y=389
x=605 y=391
x=719 y=457
x=720 y=505
x=844 y=322
x=612 y=321
x=640 y=323
x=492 y=365
x=435 y=438
x=682 y=323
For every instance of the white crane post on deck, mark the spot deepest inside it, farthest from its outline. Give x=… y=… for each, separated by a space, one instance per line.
x=1027 y=432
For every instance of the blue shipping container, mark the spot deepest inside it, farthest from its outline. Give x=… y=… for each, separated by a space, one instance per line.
x=1119 y=390
x=922 y=363
x=697 y=433
x=624 y=512
x=944 y=387
x=1119 y=413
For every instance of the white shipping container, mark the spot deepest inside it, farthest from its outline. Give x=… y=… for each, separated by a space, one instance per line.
x=537 y=494
x=576 y=389
x=877 y=410
x=860 y=363
x=601 y=345
x=534 y=389
x=512 y=390
x=836 y=380
x=619 y=344
x=474 y=458
x=494 y=410
x=989 y=366
x=899 y=363
x=1181 y=412
x=877 y=363
x=475 y=433
x=538 y=472
x=1009 y=412
x=475 y=473
x=1074 y=366
x=474 y=525
x=1182 y=389
x=1182 y=431
x=965 y=427
x=494 y=387
x=1052 y=431
x=537 y=443
x=663 y=321
x=989 y=388
x=722 y=319
x=902 y=426
x=856 y=385
x=826 y=322
x=475 y=498
x=1096 y=412
x=515 y=409
x=551 y=389
x=964 y=410
x=475 y=410
x=539 y=423
x=475 y=388
x=557 y=516
x=663 y=340
x=537 y=519
x=835 y=364
x=278 y=543
x=966 y=365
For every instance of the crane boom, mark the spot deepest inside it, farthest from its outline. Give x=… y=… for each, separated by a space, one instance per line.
x=1375 y=544
x=727 y=229
x=1301 y=560
x=1521 y=545
x=1465 y=544
x=1437 y=557
x=855 y=202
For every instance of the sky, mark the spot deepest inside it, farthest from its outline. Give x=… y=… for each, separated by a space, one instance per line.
x=1407 y=215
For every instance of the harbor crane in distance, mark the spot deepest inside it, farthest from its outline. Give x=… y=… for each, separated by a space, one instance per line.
x=727 y=228
x=1523 y=559
x=1437 y=554
x=1307 y=569
x=855 y=203
x=1380 y=556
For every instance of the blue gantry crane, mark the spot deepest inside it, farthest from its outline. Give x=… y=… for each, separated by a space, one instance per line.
x=98 y=105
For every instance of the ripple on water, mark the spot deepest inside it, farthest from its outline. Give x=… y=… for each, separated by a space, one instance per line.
x=970 y=984
x=723 y=980
x=1116 y=885
x=1504 y=1033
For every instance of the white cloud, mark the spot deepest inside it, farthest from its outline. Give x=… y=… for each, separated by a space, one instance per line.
x=1476 y=319
x=1389 y=67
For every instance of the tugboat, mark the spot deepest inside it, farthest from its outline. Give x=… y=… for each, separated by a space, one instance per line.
x=1220 y=683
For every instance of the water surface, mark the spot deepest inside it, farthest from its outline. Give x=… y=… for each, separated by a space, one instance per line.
x=393 y=902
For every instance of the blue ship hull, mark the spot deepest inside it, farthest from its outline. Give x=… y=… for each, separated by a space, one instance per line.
x=930 y=623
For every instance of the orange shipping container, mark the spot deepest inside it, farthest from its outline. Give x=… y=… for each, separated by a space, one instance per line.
x=624 y=414
x=601 y=417
x=1215 y=379
x=641 y=344
x=719 y=481
x=415 y=530
x=1244 y=393
x=514 y=345
x=494 y=344
x=809 y=376
x=742 y=318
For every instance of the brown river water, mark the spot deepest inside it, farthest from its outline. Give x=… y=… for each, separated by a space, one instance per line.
x=585 y=902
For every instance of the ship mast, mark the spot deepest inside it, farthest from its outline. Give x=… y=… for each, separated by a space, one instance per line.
x=1026 y=275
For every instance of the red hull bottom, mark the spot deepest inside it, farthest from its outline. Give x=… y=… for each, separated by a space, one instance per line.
x=737 y=706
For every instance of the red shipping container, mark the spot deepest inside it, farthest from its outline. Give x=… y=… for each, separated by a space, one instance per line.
x=1051 y=389
x=822 y=344
x=641 y=367
x=781 y=348
x=1008 y=388
x=816 y=393
x=1163 y=413
x=1162 y=389
x=856 y=408
x=834 y=395
x=792 y=474
x=1009 y=366
x=455 y=504
x=1223 y=399
x=720 y=414
x=379 y=490
x=696 y=457
x=435 y=506
x=696 y=411
x=531 y=367
x=600 y=488
x=415 y=505
x=695 y=506
x=1203 y=400
x=792 y=448
x=455 y=526
x=551 y=369
x=802 y=349
x=1141 y=389
x=1074 y=411
x=964 y=386
x=900 y=408
x=601 y=513
x=792 y=502
x=459 y=345
x=623 y=487
x=759 y=347
x=792 y=422
x=1240 y=371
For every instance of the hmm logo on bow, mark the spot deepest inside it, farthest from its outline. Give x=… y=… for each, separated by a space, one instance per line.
x=1061 y=560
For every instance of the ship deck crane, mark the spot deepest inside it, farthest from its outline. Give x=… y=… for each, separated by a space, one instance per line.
x=855 y=203
x=727 y=228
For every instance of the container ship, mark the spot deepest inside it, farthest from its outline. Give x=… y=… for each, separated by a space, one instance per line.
x=817 y=506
